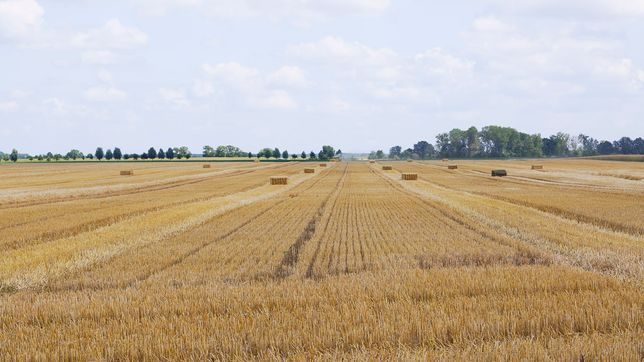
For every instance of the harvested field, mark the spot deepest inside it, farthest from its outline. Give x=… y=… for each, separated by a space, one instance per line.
x=346 y=263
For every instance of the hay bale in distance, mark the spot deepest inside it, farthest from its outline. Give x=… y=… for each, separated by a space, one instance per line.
x=372 y=161
x=309 y=170
x=537 y=167
x=445 y=159
x=499 y=173
x=279 y=180
x=410 y=160
x=206 y=166
x=127 y=173
x=387 y=168
x=323 y=165
x=410 y=176
x=452 y=167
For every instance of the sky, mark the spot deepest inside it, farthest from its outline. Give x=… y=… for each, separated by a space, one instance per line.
x=357 y=74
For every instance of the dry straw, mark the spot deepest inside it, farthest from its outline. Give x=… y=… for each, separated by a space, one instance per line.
x=206 y=166
x=445 y=159
x=537 y=167
x=452 y=167
x=309 y=170
x=499 y=173
x=410 y=160
x=410 y=176
x=323 y=165
x=279 y=180
x=127 y=173
x=372 y=161
x=387 y=168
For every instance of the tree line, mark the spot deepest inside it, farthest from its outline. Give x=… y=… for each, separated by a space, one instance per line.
x=507 y=142
x=326 y=153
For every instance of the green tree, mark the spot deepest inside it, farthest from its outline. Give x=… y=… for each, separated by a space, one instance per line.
x=117 y=153
x=250 y=155
x=152 y=153
x=326 y=153
x=169 y=154
x=144 y=156
x=303 y=155
x=126 y=156
x=312 y=155
x=285 y=155
x=135 y=156
x=109 y=155
x=75 y=154
x=14 y=155
x=208 y=151
x=161 y=154
x=90 y=156
x=99 y=153
x=182 y=152
x=395 y=152
x=276 y=153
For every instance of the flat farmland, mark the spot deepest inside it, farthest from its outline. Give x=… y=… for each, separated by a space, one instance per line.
x=349 y=262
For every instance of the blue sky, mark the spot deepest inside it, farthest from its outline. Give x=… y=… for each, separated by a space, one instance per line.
x=358 y=74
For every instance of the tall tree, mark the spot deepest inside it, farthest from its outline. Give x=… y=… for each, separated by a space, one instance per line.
x=285 y=154
x=109 y=155
x=161 y=154
x=152 y=153
x=169 y=154
x=276 y=153
x=117 y=153
x=605 y=148
x=99 y=153
x=394 y=152
x=14 y=155
x=303 y=155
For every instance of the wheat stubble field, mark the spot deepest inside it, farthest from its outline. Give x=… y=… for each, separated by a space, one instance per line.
x=348 y=262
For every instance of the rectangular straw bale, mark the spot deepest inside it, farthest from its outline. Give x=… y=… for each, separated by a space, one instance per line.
x=537 y=167
x=279 y=180
x=206 y=166
x=323 y=165
x=499 y=173
x=127 y=173
x=372 y=161
x=309 y=170
x=387 y=168
x=410 y=160
x=410 y=176
x=445 y=159
x=452 y=167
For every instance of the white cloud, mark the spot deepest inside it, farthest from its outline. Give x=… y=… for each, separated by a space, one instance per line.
x=98 y=57
x=336 y=49
x=573 y=8
x=8 y=106
x=277 y=99
x=176 y=97
x=20 y=18
x=289 y=76
x=301 y=12
x=105 y=94
x=202 y=88
x=490 y=23
x=112 y=35
x=438 y=62
x=640 y=75
x=235 y=74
